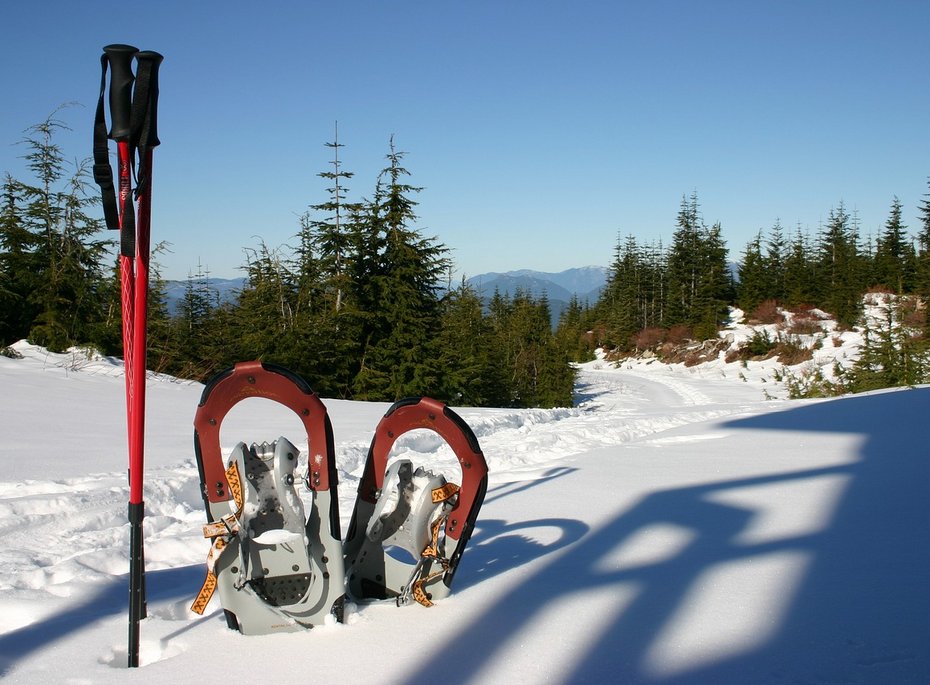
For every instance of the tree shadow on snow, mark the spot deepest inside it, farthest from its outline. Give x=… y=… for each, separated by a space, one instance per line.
x=859 y=610
x=111 y=599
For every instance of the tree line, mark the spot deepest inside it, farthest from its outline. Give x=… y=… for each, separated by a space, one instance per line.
x=360 y=304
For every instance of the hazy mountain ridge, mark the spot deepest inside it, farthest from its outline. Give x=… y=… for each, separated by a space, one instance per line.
x=584 y=282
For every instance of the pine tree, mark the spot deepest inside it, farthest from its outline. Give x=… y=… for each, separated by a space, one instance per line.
x=800 y=271
x=774 y=262
x=840 y=268
x=621 y=300
x=892 y=354
x=684 y=265
x=572 y=333
x=754 y=287
x=192 y=324
x=895 y=259
x=329 y=238
x=68 y=258
x=472 y=368
x=399 y=355
x=19 y=267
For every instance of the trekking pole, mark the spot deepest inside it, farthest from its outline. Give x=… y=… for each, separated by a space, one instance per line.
x=133 y=112
x=145 y=135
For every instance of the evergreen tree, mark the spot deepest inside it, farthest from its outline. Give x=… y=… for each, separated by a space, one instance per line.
x=472 y=368
x=895 y=259
x=266 y=308
x=699 y=285
x=572 y=333
x=19 y=267
x=195 y=345
x=399 y=356
x=800 y=271
x=684 y=264
x=754 y=285
x=621 y=299
x=840 y=268
x=892 y=354
x=329 y=238
x=50 y=220
x=774 y=262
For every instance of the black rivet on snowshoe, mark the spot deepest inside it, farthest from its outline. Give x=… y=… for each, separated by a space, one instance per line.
x=467 y=464
x=251 y=380
x=326 y=575
x=305 y=412
x=212 y=422
x=234 y=569
x=289 y=479
x=265 y=571
x=390 y=434
x=325 y=560
x=290 y=455
x=295 y=567
x=432 y=417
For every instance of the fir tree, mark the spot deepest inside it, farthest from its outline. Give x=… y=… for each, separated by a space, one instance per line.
x=774 y=262
x=840 y=268
x=754 y=285
x=895 y=260
x=621 y=300
x=67 y=257
x=472 y=368
x=399 y=355
x=19 y=267
x=684 y=264
x=800 y=271
x=195 y=345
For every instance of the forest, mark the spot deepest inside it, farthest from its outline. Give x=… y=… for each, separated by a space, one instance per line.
x=361 y=302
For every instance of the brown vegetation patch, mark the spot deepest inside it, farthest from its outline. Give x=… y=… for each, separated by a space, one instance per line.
x=766 y=313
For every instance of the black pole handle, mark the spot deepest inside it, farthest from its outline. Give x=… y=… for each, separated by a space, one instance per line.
x=148 y=62
x=121 y=79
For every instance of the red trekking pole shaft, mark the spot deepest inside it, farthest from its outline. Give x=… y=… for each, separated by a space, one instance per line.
x=121 y=81
x=148 y=63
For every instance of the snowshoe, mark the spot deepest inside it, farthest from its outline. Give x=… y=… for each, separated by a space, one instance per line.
x=275 y=569
x=410 y=526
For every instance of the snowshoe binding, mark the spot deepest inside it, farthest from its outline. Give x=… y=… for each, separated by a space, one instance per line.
x=276 y=568
x=411 y=509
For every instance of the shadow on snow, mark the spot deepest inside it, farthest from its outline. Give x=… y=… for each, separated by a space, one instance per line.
x=859 y=613
x=111 y=599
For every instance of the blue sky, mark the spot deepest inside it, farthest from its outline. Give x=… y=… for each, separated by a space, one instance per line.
x=540 y=131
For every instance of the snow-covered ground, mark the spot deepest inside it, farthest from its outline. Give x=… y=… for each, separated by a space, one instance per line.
x=678 y=525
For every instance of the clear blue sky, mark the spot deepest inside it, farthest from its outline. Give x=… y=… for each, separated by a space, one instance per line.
x=540 y=130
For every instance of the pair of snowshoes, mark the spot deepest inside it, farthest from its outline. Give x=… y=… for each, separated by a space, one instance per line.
x=279 y=566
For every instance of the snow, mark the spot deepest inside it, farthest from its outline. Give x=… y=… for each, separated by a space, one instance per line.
x=678 y=525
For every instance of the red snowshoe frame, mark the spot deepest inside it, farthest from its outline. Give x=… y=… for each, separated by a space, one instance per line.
x=321 y=576
x=371 y=572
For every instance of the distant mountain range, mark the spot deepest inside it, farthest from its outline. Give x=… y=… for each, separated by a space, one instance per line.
x=226 y=290
x=585 y=283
